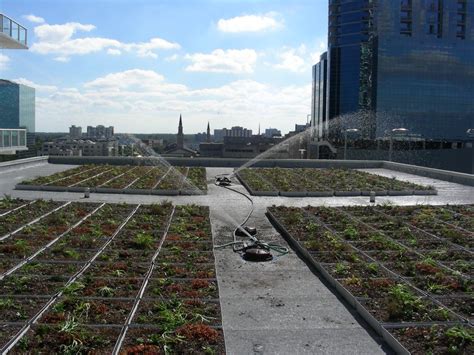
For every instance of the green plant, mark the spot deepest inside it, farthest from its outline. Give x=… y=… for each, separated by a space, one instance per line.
x=458 y=338
x=143 y=241
x=341 y=268
x=106 y=291
x=73 y=288
x=402 y=302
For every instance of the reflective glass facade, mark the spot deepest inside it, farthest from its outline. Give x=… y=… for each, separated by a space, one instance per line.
x=318 y=97
x=409 y=63
x=17 y=106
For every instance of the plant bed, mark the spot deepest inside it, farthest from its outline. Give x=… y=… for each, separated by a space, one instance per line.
x=188 y=339
x=68 y=337
x=87 y=311
x=123 y=179
x=436 y=339
x=195 y=288
x=16 y=309
x=386 y=273
x=342 y=182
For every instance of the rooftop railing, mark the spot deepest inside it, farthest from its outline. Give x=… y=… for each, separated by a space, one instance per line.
x=14 y=31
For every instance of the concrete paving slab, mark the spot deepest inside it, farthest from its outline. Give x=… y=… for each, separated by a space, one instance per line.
x=321 y=341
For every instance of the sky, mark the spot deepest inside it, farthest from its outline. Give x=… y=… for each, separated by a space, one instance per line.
x=139 y=64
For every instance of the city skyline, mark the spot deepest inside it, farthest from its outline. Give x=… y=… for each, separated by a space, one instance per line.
x=230 y=63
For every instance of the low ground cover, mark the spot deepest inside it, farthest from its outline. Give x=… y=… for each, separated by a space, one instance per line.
x=398 y=268
x=160 y=179
x=103 y=283
x=325 y=182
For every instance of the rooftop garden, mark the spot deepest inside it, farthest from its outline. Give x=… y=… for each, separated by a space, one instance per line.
x=159 y=180
x=90 y=278
x=324 y=182
x=407 y=270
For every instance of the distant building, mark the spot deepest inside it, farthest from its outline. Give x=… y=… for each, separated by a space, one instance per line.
x=250 y=147
x=81 y=147
x=179 y=149
x=301 y=127
x=235 y=131
x=75 y=132
x=272 y=132
x=100 y=132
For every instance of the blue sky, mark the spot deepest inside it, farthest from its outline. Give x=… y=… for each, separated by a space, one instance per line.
x=138 y=64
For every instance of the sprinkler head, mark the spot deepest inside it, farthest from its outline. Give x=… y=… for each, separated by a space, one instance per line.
x=223 y=181
x=250 y=230
x=257 y=255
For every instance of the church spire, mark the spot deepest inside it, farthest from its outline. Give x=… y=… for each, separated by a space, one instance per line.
x=208 y=136
x=180 y=137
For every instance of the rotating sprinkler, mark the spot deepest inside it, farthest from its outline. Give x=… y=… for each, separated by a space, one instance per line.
x=253 y=249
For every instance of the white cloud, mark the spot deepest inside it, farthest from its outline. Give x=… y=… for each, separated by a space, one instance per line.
x=322 y=47
x=172 y=58
x=249 y=23
x=113 y=51
x=139 y=100
x=58 y=40
x=223 y=61
x=60 y=33
x=4 y=62
x=34 y=19
x=299 y=59
x=38 y=87
x=291 y=61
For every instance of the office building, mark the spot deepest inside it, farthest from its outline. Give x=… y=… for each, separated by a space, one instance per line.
x=75 y=132
x=272 y=132
x=17 y=106
x=407 y=63
x=100 y=131
x=318 y=97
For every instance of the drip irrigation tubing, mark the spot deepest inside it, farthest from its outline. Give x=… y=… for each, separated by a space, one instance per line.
x=17 y=208
x=71 y=280
x=52 y=242
x=90 y=178
x=254 y=241
x=139 y=297
x=34 y=221
x=69 y=176
x=118 y=176
x=161 y=178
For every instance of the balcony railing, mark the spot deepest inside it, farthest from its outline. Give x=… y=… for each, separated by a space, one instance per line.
x=12 y=34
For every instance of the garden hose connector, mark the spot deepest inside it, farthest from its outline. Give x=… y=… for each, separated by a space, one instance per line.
x=372 y=197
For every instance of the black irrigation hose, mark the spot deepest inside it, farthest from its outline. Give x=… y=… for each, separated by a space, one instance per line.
x=255 y=242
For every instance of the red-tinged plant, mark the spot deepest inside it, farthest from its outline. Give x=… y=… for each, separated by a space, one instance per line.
x=142 y=349
x=199 y=283
x=198 y=332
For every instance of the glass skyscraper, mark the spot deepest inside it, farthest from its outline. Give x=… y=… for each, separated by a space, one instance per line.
x=17 y=106
x=404 y=63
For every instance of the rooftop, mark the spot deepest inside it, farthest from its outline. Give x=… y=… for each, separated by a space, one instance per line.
x=282 y=306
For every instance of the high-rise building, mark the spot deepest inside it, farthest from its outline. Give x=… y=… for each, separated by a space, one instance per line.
x=17 y=103
x=75 y=132
x=100 y=131
x=407 y=63
x=318 y=97
x=17 y=106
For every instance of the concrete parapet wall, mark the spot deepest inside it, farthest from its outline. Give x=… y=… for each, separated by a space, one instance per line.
x=12 y=164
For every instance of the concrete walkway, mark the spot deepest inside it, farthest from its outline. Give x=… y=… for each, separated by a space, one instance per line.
x=278 y=307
